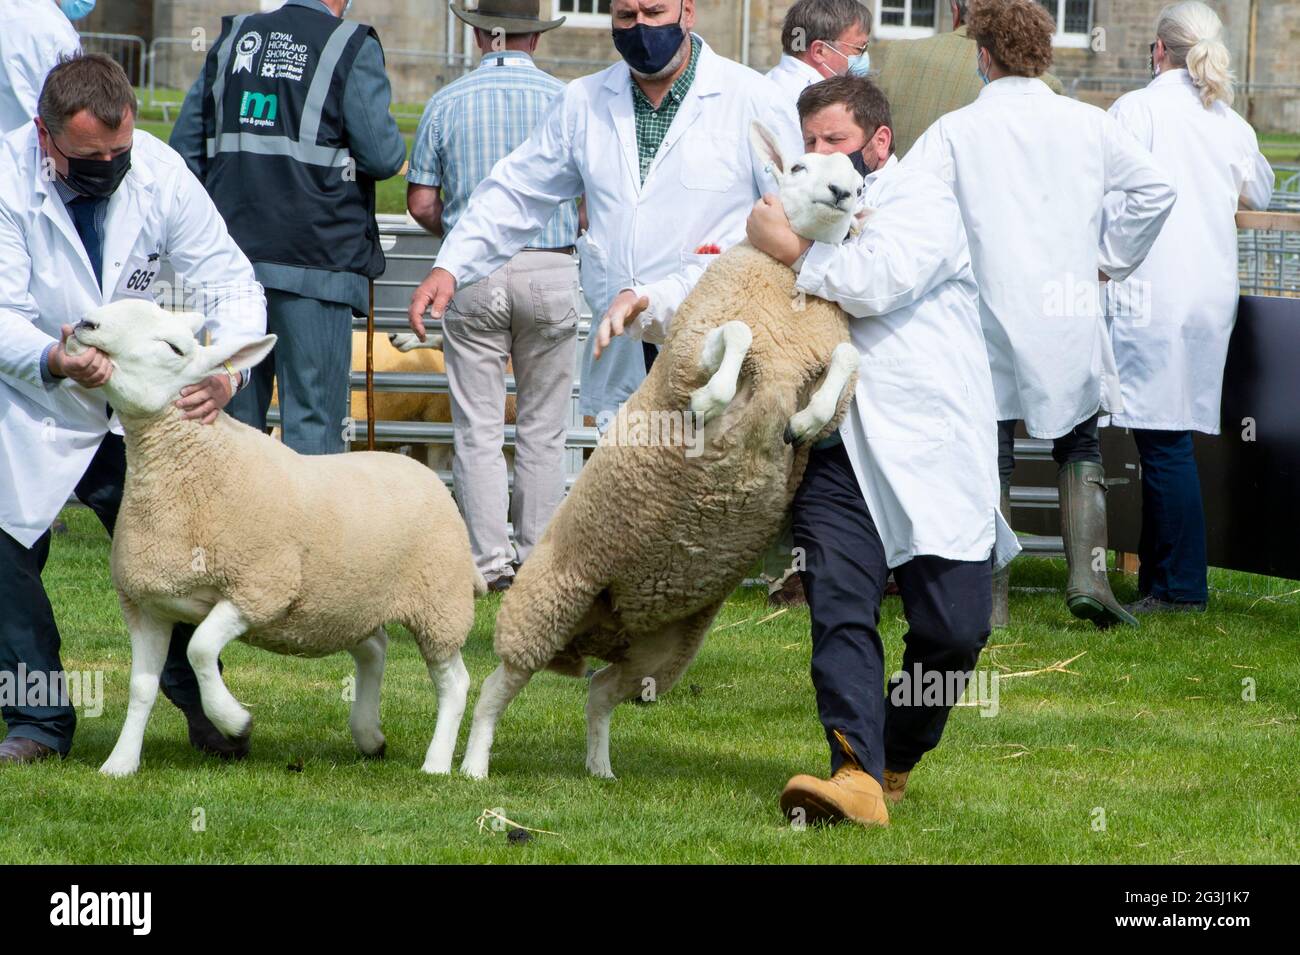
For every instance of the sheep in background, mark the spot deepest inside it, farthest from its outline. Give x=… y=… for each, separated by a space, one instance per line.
x=223 y=527
x=654 y=537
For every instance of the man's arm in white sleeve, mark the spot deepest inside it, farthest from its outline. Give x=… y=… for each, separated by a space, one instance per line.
x=218 y=277
x=667 y=295
x=514 y=202
x=21 y=343
x=912 y=243
x=1131 y=228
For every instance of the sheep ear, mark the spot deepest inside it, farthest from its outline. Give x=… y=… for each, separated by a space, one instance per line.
x=195 y=320
x=241 y=355
x=768 y=148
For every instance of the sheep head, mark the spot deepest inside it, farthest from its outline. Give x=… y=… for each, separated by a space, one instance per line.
x=820 y=193
x=155 y=354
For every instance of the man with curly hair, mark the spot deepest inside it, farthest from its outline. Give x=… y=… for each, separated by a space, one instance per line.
x=1030 y=170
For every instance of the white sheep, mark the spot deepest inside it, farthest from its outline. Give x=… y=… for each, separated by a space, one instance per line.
x=657 y=533
x=223 y=527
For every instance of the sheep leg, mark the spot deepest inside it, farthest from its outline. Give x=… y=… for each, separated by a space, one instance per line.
x=150 y=638
x=723 y=354
x=223 y=624
x=501 y=686
x=826 y=399
x=370 y=656
x=653 y=666
x=452 y=680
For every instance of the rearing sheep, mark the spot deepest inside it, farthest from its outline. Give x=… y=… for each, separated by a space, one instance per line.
x=654 y=537
x=222 y=527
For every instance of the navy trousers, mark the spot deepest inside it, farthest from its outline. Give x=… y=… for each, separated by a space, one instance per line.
x=1081 y=444
x=1172 y=545
x=28 y=634
x=311 y=363
x=947 y=604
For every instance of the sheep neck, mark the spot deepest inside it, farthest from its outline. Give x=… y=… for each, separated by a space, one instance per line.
x=160 y=446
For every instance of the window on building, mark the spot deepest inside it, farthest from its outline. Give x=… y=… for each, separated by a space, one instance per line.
x=1073 y=21
x=582 y=13
x=906 y=18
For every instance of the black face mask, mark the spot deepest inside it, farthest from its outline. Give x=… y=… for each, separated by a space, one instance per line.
x=96 y=178
x=648 y=50
x=860 y=163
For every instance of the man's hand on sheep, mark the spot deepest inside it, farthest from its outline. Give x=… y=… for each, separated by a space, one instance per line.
x=433 y=295
x=89 y=367
x=768 y=230
x=623 y=311
x=205 y=400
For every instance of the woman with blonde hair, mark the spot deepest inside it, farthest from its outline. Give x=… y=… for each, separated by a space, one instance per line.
x=1031 y=171
x=1172 y=319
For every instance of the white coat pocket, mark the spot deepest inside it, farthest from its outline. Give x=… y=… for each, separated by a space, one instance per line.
x=708 y=160
x=901 y=401
x=593 y=268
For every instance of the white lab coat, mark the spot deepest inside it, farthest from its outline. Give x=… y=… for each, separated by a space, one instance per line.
x=1172 y=319
x=33 y=35
x=1031 y=170
x=922 y=433
x=700 y=190
x=794 y=76
x=49 y=433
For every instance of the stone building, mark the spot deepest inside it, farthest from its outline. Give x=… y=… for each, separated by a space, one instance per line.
x=1101 y=44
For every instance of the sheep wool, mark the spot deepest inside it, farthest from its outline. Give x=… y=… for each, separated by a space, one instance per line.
x=654 y=536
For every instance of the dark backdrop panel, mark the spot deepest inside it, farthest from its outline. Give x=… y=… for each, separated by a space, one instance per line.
x=1250 y=474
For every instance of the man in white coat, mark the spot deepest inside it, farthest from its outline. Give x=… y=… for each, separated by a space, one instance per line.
x=36 y=33
x=88 y=208
x=658 y=143
x=1030 y=170
x=821 y=39
x=909 y=483
x=1172 y=320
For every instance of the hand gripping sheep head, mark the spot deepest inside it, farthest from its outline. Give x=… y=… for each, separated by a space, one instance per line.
x=820 y=193
x=233 y=532
x=155 y=354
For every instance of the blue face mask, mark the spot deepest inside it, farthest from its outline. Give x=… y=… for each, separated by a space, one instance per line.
x=76 y=9
x=859 y=65
x=984 y=77
x=648 y=50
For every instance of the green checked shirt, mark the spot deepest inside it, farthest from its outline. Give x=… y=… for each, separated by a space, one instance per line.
x=652 y=124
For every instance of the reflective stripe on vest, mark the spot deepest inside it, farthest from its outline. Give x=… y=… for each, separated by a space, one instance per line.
x=304 y=149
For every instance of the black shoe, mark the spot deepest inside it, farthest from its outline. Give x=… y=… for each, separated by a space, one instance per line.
x=500 y=585
x=204 y=735
x=1156 y=605
x=17 y=750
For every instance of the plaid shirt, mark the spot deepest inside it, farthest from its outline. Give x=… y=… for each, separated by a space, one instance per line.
x=652 y=124
x=924 y=79
x=479 y=119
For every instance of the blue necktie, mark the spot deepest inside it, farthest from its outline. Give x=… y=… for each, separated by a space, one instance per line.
x=83 y=210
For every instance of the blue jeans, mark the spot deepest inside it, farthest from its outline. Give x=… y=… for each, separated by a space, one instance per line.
x=1172 y=545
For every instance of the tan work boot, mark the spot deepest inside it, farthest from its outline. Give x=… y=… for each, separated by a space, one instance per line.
x=895 y=785
x=850 y=794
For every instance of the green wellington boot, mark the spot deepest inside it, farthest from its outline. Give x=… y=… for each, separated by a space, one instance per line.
x=1001 y=618
x=1083 y=526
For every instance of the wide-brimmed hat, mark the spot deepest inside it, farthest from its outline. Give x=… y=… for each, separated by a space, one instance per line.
x=508 y=16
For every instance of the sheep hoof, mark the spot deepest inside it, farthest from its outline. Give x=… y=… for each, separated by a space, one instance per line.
x=789 y=436
x=474 y=769
x=118 y=768
x=377 y=753
x=601 y=770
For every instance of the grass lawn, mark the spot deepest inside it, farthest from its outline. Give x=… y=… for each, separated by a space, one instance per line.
x=1144 y=752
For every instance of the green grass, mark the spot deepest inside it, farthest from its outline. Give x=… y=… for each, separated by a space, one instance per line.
x=1149 y=726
